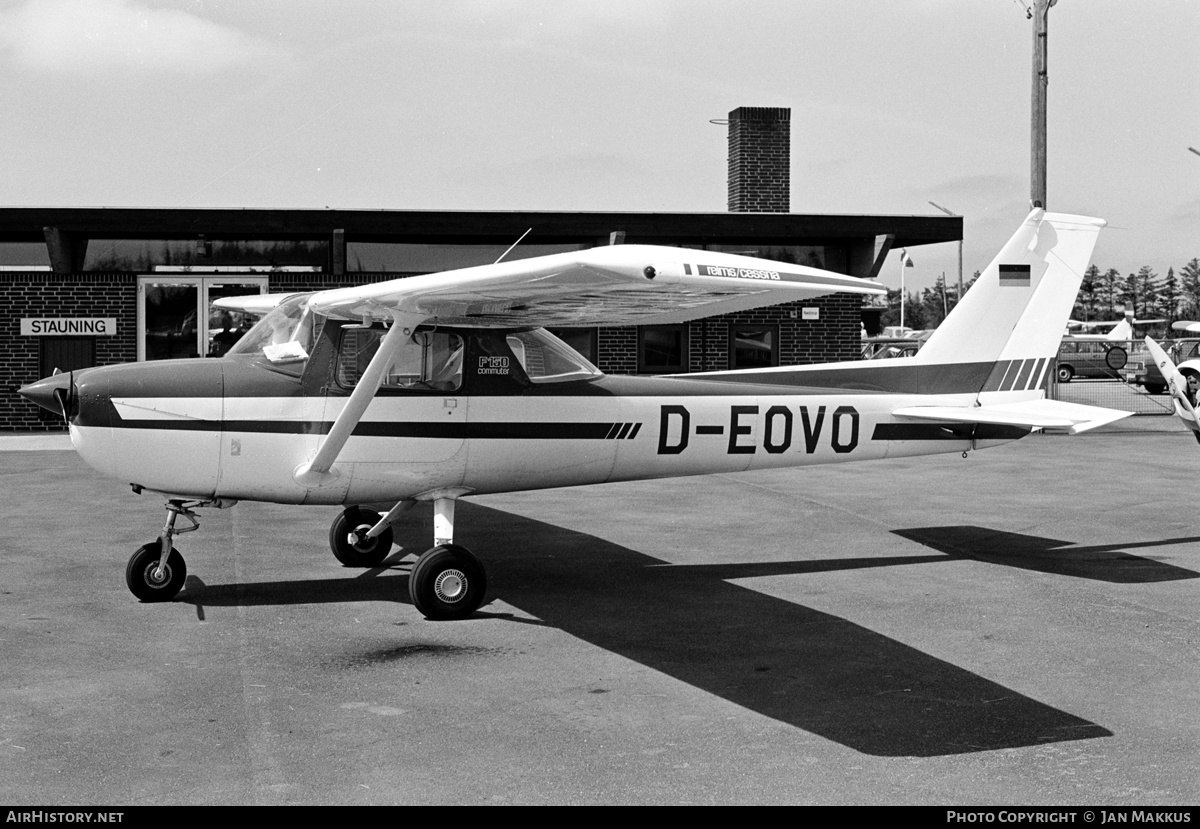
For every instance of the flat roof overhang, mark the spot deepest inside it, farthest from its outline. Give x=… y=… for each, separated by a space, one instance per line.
x=30 y=224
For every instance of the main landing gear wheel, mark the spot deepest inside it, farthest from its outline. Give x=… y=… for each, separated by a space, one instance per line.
x=349 y=542
x=152 y=583
x=447 y=582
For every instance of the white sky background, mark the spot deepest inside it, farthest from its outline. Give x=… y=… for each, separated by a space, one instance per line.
x=605 y=105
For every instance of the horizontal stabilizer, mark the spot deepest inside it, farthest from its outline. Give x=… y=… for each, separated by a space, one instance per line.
x=1049 y=415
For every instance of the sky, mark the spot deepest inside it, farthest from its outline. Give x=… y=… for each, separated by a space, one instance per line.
x=607 y=105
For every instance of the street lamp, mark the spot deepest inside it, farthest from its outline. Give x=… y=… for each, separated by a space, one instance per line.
x=905 y=262
x=960 y=243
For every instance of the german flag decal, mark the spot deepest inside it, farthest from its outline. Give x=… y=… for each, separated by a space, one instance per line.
x=1016 y=276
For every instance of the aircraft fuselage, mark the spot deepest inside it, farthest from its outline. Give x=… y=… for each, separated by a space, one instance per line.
x=235 y=428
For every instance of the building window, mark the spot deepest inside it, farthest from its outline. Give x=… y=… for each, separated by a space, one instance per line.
x=753 y=346
x=582 y=340
x=662 y=349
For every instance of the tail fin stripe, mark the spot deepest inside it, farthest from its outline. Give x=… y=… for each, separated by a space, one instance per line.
x=1010 y=379
x=1014 y=375
x=1035 y=378
x=1023 y=376
x=996 y=378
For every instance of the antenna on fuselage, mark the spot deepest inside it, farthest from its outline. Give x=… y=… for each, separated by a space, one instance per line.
x=513 y=245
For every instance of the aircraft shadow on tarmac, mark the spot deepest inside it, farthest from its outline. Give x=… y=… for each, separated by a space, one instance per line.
x=809 y=669
x=1103 y=562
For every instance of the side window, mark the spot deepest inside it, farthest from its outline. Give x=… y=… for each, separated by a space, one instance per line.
x=662 y=349
x=547 y=359
x=757 y=346
x=429 y=360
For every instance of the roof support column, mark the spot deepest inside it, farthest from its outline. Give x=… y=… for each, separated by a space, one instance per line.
x=66 y=250
x=337 y=252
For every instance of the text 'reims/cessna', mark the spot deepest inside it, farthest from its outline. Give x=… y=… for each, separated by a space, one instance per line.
x=443 y=386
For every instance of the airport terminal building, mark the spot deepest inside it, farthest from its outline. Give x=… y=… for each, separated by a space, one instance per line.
x=96 y=286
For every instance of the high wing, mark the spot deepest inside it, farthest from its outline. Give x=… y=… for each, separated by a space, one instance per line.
x=614 y=285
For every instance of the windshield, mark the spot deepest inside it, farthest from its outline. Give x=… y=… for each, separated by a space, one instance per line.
x=284 y=337
x=547 y=359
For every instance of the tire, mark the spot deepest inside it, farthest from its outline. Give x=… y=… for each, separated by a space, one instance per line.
x=1064 y=374
x=1154 y=388
x=140 y=573
x=447 y=582
x=368 y=553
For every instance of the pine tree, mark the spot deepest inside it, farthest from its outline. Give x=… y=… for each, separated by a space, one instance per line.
x=1190 y=279
x=1171 y=296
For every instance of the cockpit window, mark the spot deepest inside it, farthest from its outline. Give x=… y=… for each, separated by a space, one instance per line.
x=284 y=337
x=428 y=360
x=547 y=359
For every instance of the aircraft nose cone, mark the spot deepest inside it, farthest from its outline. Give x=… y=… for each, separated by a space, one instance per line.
x=48 y=392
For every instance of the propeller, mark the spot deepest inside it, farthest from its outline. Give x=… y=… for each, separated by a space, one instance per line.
x=55 y=393
x=1177 y=383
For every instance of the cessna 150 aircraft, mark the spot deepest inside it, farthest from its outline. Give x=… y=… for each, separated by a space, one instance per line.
x=441 y=386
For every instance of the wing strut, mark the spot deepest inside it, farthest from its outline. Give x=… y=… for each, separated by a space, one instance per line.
x=320 y=470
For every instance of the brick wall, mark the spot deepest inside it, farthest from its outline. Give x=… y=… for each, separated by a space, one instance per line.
x=45 y=294
x=760 y=141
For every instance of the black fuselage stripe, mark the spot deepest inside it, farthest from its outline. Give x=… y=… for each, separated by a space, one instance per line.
x=546 y=431
x=442 y=431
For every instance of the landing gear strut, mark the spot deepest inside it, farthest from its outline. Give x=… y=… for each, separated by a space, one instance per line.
x=448 y=581
x=156 y=572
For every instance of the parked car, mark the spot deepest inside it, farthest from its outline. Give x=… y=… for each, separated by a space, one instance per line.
x=882 y=348
x=1091 y=359
x=1146 y=373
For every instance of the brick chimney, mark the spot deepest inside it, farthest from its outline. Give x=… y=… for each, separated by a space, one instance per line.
x=760 y=160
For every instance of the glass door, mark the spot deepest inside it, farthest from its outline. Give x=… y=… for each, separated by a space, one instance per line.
x=175 y=318
x=224 y=328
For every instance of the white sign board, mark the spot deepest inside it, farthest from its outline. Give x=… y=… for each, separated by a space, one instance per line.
x=68 y=326
x=810 y=313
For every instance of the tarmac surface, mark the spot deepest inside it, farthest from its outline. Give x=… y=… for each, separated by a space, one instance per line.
x=1020 y=627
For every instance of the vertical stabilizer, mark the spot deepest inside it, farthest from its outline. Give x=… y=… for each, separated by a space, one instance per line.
x=1015 y=313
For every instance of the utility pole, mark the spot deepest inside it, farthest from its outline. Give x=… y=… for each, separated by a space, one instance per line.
x=1037 y=183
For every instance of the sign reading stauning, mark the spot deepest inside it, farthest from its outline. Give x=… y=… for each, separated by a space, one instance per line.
x=68 y=327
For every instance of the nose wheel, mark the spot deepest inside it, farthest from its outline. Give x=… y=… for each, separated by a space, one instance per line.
x=156 y=571
x=151 y=579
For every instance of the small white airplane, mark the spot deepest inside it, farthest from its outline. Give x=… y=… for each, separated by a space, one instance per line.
x=1121 y=329
x=443 y=386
